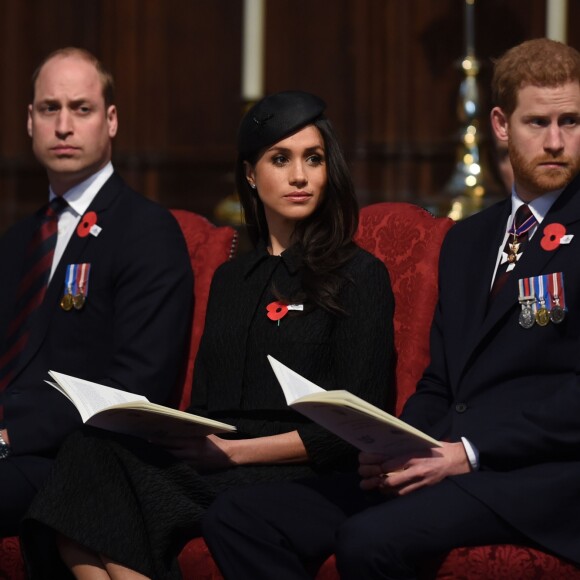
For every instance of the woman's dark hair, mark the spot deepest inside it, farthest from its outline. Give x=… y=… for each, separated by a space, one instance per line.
x=325 y=237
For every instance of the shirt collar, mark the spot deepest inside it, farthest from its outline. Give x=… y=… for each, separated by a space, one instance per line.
x=81 y=196
x=539 y=206
x=291 y=258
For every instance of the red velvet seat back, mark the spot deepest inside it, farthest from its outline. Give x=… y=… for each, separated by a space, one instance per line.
x=408 y=240
x=209 y=247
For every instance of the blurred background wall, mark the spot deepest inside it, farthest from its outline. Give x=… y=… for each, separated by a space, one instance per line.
x=388 y=70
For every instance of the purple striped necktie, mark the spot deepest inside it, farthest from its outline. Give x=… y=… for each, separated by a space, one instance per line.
x=524 y=221
x=31 y=289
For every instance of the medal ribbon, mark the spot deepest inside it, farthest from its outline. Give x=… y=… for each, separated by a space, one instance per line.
x=556 y=289
x=70 y=279
x=77 y=279
x=543 y=295
x=82 y=279
x=527 y=292
x=540 y=282
x=526 y=226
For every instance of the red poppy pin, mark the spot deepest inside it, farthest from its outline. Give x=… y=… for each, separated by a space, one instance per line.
x=553 y=234
x=88 y=221
x=276 y=310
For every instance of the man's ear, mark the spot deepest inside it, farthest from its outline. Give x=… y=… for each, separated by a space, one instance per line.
x=499 y=124
x=112 y=120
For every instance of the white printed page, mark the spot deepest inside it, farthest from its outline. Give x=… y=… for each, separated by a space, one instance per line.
x=90 y=398
x=346 y=415
x=294 y=385
x=365 y=432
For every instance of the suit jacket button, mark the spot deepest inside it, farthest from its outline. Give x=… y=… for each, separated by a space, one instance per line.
x=461 y=407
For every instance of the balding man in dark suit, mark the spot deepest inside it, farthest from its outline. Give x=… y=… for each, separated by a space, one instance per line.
x=110 y=301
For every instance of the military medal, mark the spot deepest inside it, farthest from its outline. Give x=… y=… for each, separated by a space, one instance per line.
x=82 y=279
x=556 y=291
x=557 y=314
x=526 y=318
x=76 y=288
x=542 y=313
x=527 y=301
x=78 y=301
x=66 y=302
x=514 y=247
x=542 y=300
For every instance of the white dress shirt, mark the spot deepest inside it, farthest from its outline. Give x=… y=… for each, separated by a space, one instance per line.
x=79 y=198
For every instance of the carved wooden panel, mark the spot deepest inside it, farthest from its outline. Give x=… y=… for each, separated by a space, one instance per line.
x=385 y=67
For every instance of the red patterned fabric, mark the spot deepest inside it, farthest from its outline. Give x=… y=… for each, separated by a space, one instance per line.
x=504 y=562
x=11 y=565
x=407 y=239
x=209 y=247
x=196 y=562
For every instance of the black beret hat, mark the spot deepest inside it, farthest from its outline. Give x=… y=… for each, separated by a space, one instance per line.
x=275 y=117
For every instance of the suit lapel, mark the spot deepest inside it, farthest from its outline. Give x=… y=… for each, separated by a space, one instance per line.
x=483 y=265
x=534 y=261
x=73 y=253
x=478 y=272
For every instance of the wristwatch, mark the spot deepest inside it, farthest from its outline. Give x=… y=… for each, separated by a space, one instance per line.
x=5 y=449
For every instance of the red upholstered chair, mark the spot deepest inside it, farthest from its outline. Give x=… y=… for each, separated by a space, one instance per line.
x=209 y=246
x=502 y=562
x=408 y=240
x=11 y=565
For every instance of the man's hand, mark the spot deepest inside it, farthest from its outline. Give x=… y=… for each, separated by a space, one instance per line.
x=4 y=434
x=404 y=475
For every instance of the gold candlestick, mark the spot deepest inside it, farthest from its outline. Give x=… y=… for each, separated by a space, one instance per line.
x=466 y=184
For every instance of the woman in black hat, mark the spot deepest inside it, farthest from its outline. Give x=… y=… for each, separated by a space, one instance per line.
x=307 y=295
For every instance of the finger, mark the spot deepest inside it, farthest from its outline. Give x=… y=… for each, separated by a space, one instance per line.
x=370 y=470
x=366 y=458
x=394 y=465
x=370 y=483
x=399 y=480
x=405 y=490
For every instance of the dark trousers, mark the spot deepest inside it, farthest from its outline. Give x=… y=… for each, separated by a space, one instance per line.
x=20 y=479
x=287 y=530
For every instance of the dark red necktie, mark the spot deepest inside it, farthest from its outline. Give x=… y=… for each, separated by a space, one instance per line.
x=32 y=288
x=517 y=240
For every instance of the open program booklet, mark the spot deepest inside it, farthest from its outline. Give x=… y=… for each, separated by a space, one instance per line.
x=363 y=425
x=131 y=414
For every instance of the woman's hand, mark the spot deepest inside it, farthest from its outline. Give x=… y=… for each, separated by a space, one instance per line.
x=212 y=452
x=203 y=453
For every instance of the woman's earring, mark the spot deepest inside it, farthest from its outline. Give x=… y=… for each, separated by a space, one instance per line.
x=252 y=185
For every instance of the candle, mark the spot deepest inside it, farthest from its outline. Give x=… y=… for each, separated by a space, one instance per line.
x=253 y=50
x=556 y=17
x=469 y=28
